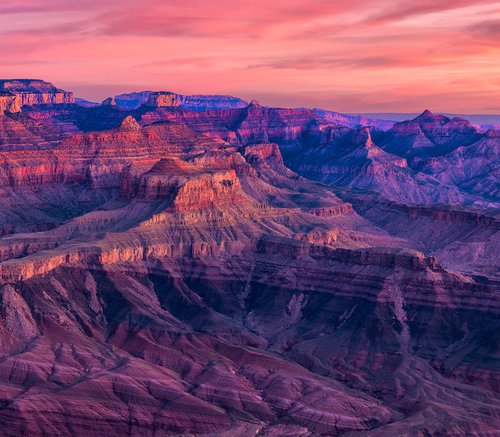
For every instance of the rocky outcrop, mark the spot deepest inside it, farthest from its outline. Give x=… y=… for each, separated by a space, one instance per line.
x=193 y=102
x=353 y=120
x=163 y=99
x=18 y=132
x=9 y=103
x=411 y=163
x=190 y=102
x=429 y=134
x=252 y=124
x=35 y=92
x=110 y=101
x=402 y=163
x=211 y=102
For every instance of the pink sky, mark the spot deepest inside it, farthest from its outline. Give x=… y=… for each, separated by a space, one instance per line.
x=350 y=56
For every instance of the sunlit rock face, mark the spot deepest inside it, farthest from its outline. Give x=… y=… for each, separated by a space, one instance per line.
x=194 y=102
x=246 y=271
x=163 y=99
x=9 y=102
x=35 y=92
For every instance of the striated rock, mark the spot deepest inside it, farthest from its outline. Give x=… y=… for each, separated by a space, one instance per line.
x=31 y=92
x=9 y=103
x=168 y=99
x=129 y=123
x=211 y=102
x=190 y=102
x=18 y=133
x=17 y=317
x=164 y=272
x=429 y=134
x=163 y=99
x=252 y=124
x=392 y=161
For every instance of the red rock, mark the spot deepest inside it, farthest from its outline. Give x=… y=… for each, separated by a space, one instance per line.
x=35 y=92
x=162 y=99
x=9 y=103
x=155 y=280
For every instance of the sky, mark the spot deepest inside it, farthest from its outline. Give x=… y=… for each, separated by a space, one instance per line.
x=349 y=55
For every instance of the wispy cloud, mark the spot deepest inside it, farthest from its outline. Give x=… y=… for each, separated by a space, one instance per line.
x=400 y=10
x=286 y=50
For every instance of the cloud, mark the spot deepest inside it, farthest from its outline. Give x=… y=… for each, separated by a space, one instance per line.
x=364 y=50
x=486 y=31
x=47 y=6
x=400 y=10
x=359 y=60
x=197 y=18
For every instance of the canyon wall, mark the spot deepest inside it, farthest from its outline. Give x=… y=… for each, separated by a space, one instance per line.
x=245 y=271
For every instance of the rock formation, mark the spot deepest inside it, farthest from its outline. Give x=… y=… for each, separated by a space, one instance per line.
x=191 y=102
x=110 y=101
x=173 y=272
x=163 y=99
x=9 y=102
x=31 y=92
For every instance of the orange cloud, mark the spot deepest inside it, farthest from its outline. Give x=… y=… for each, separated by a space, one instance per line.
x=351 y=56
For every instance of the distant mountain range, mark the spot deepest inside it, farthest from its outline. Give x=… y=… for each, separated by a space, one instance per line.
x=207 y=102
x=484 y=121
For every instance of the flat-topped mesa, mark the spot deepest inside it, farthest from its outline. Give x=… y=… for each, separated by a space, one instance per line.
x=163 y=99
x=195 y=102
x=31 y=92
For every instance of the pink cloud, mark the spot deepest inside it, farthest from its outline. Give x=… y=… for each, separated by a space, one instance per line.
x=403 y=9
x=347 y=55
x=33 y=6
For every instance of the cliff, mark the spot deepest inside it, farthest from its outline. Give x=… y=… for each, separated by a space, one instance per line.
x=9 y=102
x=165 y=272
x=31 y=92
x=163 y=99
x=190 y=102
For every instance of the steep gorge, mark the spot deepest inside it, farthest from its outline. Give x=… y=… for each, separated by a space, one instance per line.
x=171 y=275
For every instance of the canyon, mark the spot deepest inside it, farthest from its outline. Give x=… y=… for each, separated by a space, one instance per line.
x=203 y=265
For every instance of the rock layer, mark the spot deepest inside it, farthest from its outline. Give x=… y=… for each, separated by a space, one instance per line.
x=35 y=92
x=163 y=272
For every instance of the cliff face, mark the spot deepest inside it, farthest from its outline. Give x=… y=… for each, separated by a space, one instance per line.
x=164 y=272
x=163 y=99
x=35 y=92
x=429 y=160
x=430 y=135
x=195 y=102
x=403 y=163
x=409 y=163
x=19 y=132
x=353 y=120
x=9 y=103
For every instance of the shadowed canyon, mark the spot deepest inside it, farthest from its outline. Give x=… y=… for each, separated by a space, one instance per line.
x=204 y=265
